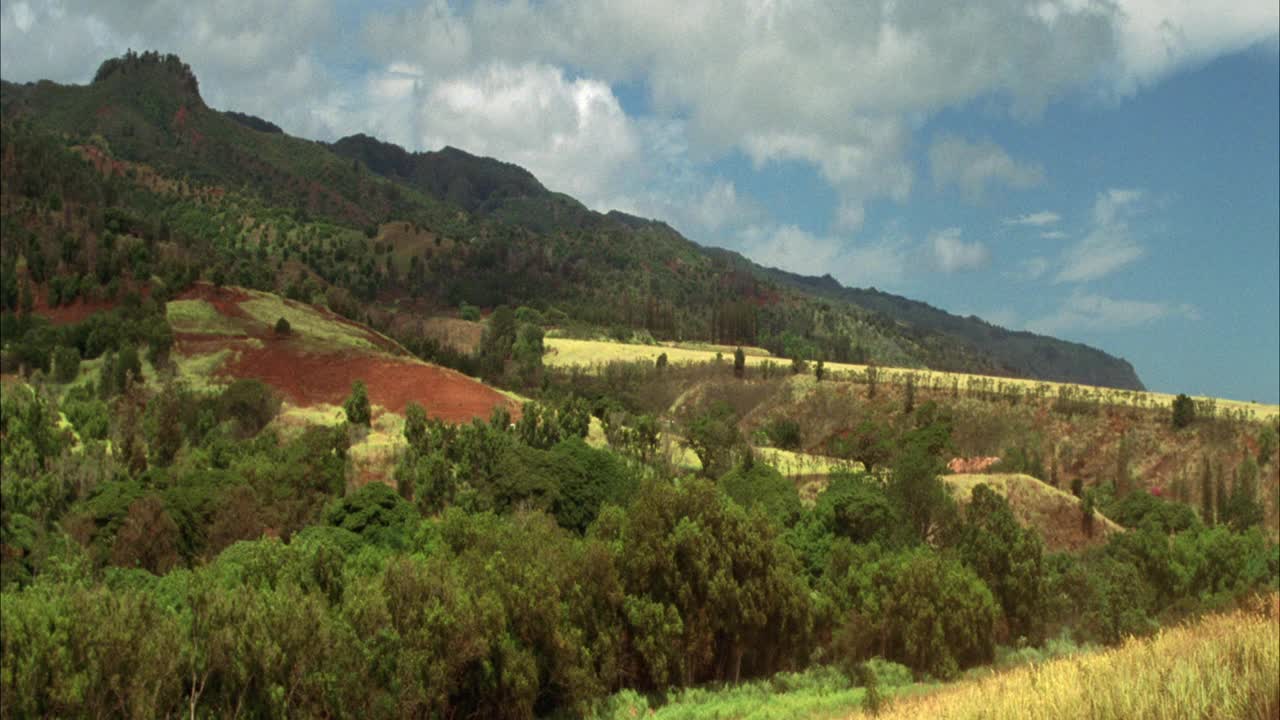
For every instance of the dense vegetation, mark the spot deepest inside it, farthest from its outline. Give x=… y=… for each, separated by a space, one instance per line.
x=518 y=571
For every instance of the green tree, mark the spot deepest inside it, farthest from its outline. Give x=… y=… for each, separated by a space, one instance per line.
x=1184 y=411
x=915 y=485
x=357 y=405
x=941 y=616
x=739 y=363
x=283 y=328
x=1008 y=558
x=713 y=436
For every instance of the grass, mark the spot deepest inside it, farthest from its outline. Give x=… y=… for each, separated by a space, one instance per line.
x=200 y=317
x=306 y=322
x=566 y=352
x=199 y=371
x=1222 y=666
x=793 y=464
x=815 y=694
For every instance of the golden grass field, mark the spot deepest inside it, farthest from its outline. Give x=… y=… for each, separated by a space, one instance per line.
x=565 y=352
x=1222 y=666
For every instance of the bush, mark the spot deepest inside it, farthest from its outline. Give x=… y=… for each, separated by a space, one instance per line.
x=66 y=364
x=283 y=327
x=784 y=433
x=250 y=403
x=755 y=483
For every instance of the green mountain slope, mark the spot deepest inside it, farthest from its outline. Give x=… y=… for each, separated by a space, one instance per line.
x=394 y=233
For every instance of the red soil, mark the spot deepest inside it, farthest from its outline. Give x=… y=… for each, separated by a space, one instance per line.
x=313 y=378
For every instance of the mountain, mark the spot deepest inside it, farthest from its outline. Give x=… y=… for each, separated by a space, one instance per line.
x=384 y=235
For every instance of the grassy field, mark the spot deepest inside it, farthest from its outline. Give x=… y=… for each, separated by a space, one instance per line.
x=1223 y=666
x=565 y=352
x=200 y=317
x=816 y=694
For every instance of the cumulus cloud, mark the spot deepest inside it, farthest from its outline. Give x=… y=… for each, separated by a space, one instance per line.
x=1094 y=312
x=952 y=254
x=1035 y=219
x=1158 y=37
x=1109 y=245
x=972 y=166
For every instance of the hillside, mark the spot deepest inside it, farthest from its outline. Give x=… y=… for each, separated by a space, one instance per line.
x=497 y=236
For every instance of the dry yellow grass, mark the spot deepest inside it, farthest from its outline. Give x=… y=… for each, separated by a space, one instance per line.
x=1056 y=514
x=563 y=352
x=1223 y=666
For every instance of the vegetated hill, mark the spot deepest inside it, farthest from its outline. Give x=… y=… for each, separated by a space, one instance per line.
x=317 y=212
x=1018 y=352
x=255 y=122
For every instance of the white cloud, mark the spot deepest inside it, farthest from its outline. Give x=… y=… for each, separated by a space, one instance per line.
x=972 y=166
x=836 y=85
x=1036 y=219
x=1089 y=311
x=951 y=254
x=1160 y=37
x=1109 y=244
x=1054 y=235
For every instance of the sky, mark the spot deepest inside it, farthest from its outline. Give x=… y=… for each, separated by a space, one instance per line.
x=1104 y=172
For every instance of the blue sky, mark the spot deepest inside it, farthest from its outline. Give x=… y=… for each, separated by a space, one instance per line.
x=1102 y=172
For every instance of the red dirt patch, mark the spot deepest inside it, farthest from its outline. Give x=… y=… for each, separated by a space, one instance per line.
x=314 y=378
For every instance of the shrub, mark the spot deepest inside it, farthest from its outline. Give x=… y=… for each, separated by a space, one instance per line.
x=283 y=327
x=784 y=433
x=754 y=483
x=66 y=364
x=357 y=405
x=1184 y=411
x=250 y=403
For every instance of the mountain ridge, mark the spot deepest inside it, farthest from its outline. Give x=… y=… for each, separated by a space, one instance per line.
x=514 y=241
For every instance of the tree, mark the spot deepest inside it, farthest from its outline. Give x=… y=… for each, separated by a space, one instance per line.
x=1207 y=515
x=148 y=539
x=820 y=371
x=283 y=328
x=1184 y=411
x=915 y=485
x=1243 y=510
x=661 y=362
x=415 y=426
x=1008 y=558
x=739 y=363
x=713 y=435
x=941 y=616
x=909 y=394
x=357 y=405
x=527 y=352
